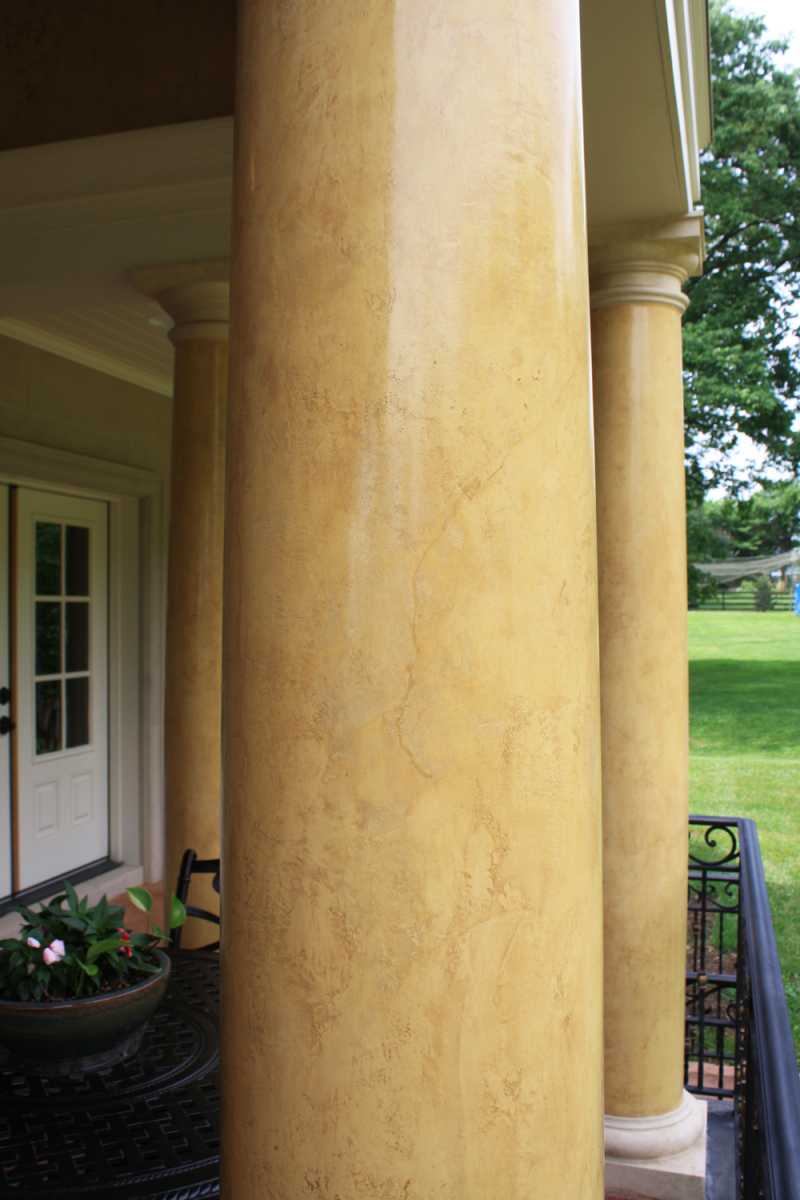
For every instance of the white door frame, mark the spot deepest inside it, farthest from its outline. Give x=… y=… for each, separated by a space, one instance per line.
x=63 y=785
x=136 y=596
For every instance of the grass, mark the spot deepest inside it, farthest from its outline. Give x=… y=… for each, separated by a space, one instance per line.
x=744 y=679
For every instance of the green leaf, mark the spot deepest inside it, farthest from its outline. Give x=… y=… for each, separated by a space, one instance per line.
x=141 y=939
x=75 y=923
x=101 y=912
x=157 y=932
x=72 y=895
x=30 y=916
x=88 y=967
x=141 y=898
x=98 y=948
x=177 y=914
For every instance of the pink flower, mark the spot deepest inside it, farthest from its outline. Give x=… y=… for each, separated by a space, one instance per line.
x=33 y=942
x=54 y=952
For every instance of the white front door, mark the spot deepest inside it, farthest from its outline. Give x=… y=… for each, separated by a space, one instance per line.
x=5 y=695
x=61 y=674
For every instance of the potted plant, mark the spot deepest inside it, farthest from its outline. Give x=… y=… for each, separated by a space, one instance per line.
x=76 y=987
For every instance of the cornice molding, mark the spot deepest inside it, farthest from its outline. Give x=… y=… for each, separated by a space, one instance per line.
x=53 y=343
x=196 y=295
x=644 y=262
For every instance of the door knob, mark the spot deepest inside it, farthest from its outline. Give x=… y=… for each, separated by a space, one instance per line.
x=6 y=725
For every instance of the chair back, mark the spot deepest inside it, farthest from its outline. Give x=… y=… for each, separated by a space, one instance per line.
x=192 y=865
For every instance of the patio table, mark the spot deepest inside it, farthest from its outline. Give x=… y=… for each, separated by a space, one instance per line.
x=145 y=1129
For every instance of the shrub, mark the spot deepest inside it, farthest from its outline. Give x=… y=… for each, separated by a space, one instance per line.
x=762 y=594
x=65 y=953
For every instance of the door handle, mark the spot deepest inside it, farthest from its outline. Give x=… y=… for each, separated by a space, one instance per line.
x=6 y=725
x=5 y=695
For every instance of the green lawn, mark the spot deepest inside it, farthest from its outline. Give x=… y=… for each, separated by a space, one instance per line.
x=744 y=678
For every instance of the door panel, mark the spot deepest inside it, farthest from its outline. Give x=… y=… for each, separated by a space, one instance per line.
x=62 y=684
x=5 y=680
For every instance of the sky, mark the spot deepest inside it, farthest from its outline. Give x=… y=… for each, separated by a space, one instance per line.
x=782 y=18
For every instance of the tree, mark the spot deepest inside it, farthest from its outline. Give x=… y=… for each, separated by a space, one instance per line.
x=755 y=526
x=766 y=522
x=742 y=371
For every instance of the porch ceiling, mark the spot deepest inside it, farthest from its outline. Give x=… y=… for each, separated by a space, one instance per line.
x=76 y=216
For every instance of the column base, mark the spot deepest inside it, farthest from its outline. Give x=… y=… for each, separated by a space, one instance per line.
x=658 y=1158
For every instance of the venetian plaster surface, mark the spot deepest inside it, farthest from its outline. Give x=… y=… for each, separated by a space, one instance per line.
x=411 y=840
x=194 y=619
x=641 y=531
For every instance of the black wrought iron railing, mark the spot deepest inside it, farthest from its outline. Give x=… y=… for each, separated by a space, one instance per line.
x=738 y=1035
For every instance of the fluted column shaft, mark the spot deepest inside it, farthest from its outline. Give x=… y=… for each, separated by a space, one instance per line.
x=641 y=528
x=196 y=296
x=411 y=846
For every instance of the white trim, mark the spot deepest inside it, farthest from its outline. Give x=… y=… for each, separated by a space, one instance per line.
x=42 y=339
x=110 y=883
x=84 y=212
x=656 y=1136
x=698 y=18
x=166 y=157
x=671 y=63
x=688 y=77
x=137 y=512
x=609 y=297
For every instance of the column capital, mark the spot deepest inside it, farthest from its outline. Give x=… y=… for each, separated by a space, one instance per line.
x=195 y=294
x=645 y=262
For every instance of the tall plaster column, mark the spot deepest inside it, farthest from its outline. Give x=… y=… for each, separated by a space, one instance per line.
x=411 y=950
x=196 y=296
x=637 y=304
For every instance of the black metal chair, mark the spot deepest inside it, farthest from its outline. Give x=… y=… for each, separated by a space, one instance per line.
x=192 y=865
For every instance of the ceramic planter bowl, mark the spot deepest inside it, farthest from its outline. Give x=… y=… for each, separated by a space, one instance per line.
x=71 y=1037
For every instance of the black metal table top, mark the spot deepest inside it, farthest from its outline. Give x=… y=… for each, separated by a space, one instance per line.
x=145 y=1129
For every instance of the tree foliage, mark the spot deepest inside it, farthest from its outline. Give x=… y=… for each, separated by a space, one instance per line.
x=742 y=368
x=766 y=522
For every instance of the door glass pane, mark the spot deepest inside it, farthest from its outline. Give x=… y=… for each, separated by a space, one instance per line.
x=77 y=636
x=48 y=559
x=48 y=637
x=77 y=712
x=48 y=717
x=77 y=539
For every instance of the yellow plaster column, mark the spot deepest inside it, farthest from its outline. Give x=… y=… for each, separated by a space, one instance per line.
x=411 y=947
x=196 y=296
x=641 y=528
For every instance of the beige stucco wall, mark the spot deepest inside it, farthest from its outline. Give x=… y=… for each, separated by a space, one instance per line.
x=52 y=402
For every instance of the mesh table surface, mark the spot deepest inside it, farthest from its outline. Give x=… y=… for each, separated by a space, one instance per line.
x=145 y=1129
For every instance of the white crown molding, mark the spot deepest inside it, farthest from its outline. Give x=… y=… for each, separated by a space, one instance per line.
x=116 y=163
x=95 y=207
x=32 y=335
x=672 y=37
x=51 y=469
